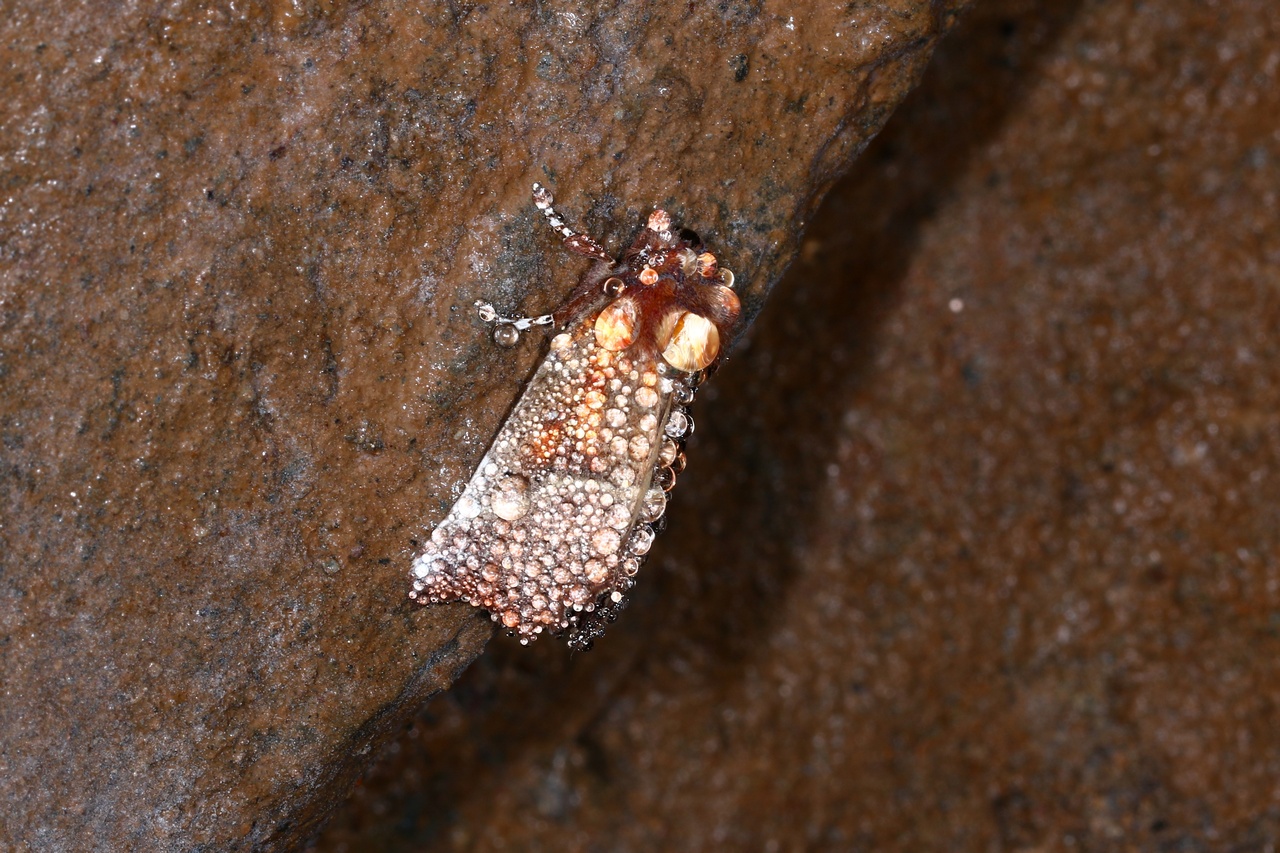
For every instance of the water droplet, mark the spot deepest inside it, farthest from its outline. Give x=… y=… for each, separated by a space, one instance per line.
x=616 y=325
x=511 y=497
x=670 y=450
x=655 y=504
x=641 y=540
x=506 y=335
x=689 y=341
x=605 y=541
x=679 y=424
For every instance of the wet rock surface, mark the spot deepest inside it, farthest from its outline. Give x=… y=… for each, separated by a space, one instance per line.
x=977 y=549
x=240 y=370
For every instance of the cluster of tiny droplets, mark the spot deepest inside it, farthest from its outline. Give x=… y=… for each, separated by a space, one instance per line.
x=556 y=519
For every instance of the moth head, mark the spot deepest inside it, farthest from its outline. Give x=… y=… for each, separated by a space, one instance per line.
x=670 y=299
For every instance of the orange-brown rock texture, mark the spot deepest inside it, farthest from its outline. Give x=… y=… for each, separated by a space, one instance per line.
x=979 y=546
x=241 y=377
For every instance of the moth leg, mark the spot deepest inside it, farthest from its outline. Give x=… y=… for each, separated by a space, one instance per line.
x=506 y=330
x=577 y=243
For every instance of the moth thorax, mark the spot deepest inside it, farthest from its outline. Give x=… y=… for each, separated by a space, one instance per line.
x=616 y=325
x=689 y=341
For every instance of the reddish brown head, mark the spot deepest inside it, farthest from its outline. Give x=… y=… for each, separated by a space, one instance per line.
x=670 y=299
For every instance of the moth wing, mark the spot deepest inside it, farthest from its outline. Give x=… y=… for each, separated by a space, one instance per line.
x=554 y=517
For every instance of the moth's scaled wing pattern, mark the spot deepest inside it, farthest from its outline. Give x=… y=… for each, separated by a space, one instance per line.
x=551 y=529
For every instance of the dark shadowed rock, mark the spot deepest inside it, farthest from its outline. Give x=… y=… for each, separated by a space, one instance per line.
x=240 y=373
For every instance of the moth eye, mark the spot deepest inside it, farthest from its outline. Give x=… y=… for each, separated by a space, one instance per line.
x=689 y=341
x=613 y=286
x=616 y=325
x=726 y=277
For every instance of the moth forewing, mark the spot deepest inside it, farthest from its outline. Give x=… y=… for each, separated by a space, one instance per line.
x=554 y=519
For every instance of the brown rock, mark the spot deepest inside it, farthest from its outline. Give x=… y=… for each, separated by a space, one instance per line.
x=241 y=374
x=978 y=546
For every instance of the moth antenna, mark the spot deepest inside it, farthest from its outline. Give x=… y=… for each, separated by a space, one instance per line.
x=545 y=202
x=578 y=243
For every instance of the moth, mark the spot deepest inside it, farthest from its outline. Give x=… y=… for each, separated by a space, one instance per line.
x=553 y=526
